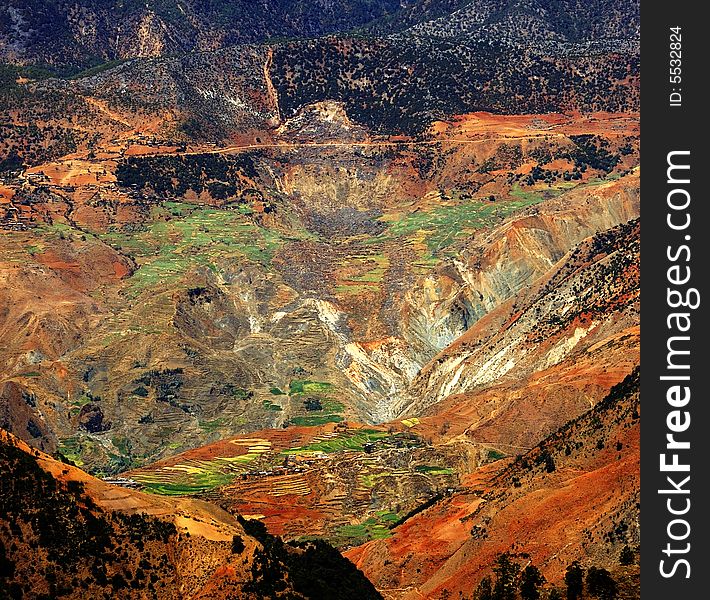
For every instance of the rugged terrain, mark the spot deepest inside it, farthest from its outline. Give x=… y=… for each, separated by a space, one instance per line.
x=573 y=497
x=65 y=534
x=70 y=34
x=343 y=272
x=350 y=483
x=316 y=278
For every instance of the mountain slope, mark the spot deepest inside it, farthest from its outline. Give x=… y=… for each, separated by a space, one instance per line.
x=396 y=85
x=340 y=293
x=74 y=34
x=575 y=496
x=517 y=21
x=66 y=534
x=347 y=482
x=71 y=34
x=589 y=296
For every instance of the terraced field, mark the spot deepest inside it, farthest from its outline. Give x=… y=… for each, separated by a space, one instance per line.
x=312 y=403
x=348 y=484
x=183 y=236
x=349 y=440
x=194 y=476
x=434 y=229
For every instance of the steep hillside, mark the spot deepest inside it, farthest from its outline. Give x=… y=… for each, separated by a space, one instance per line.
x=72 y=34
x=65 y=534
x=67 y=36
x=602 y=22
x=382 y=81
x=574 y=497
x=171 y=91
x=217 y=291
x=359 y=272
x=590 y=296
x=346 y=483
x=350 y=483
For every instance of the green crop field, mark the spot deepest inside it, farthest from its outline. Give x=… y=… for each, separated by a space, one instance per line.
x=442 y=226
x=167 y=249
x=213 y=425
x=495 y=455
x=305 y=386
x=269 y=405
x=200 y=484
x=314 y=420
x=433 y=470
x=350 y=440
x=376 y=527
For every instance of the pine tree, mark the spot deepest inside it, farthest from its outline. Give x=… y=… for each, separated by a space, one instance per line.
x=530 y=583
x=484 y=591
x=574 y=578
x=627 y=556
x=600 y=584
x=507 y=573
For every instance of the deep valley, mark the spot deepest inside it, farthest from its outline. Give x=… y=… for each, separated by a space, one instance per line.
x=353 y=289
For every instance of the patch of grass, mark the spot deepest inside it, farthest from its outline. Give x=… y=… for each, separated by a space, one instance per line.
x=373 y=528
x=213 y=425
x=268 y=405
x=379 y=532
x=387 y=517
x=356 y=290
x=83 y=399
x=72 y=449
x=306 y=386
x=166 y=250
x=352 y=530
x=198 y=484
x=350 y=440
x=312 y=421
x=333 y=406
x=370 y=480
x=374 y=274
x=122 y=444
x=439 y=228
x=277 y=392
x=600 y=180
x=496 y=455
x=433 y=470
x=536 y=194
x=182 y=483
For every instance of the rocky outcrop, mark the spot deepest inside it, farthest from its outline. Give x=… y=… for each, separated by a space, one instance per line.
x=498 y=264
x=589 y=296
x=20 y=416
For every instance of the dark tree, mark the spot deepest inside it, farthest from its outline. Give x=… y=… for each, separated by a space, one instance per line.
x=627 y=556
x=600 y=584
x=237 y=544
x=484 y=591
x=549 y=463
x=574 y=578
x=530 y=583
x=507 y=573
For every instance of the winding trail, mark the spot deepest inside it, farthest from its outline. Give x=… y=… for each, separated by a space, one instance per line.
x=350 y=144
x=270 y=89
